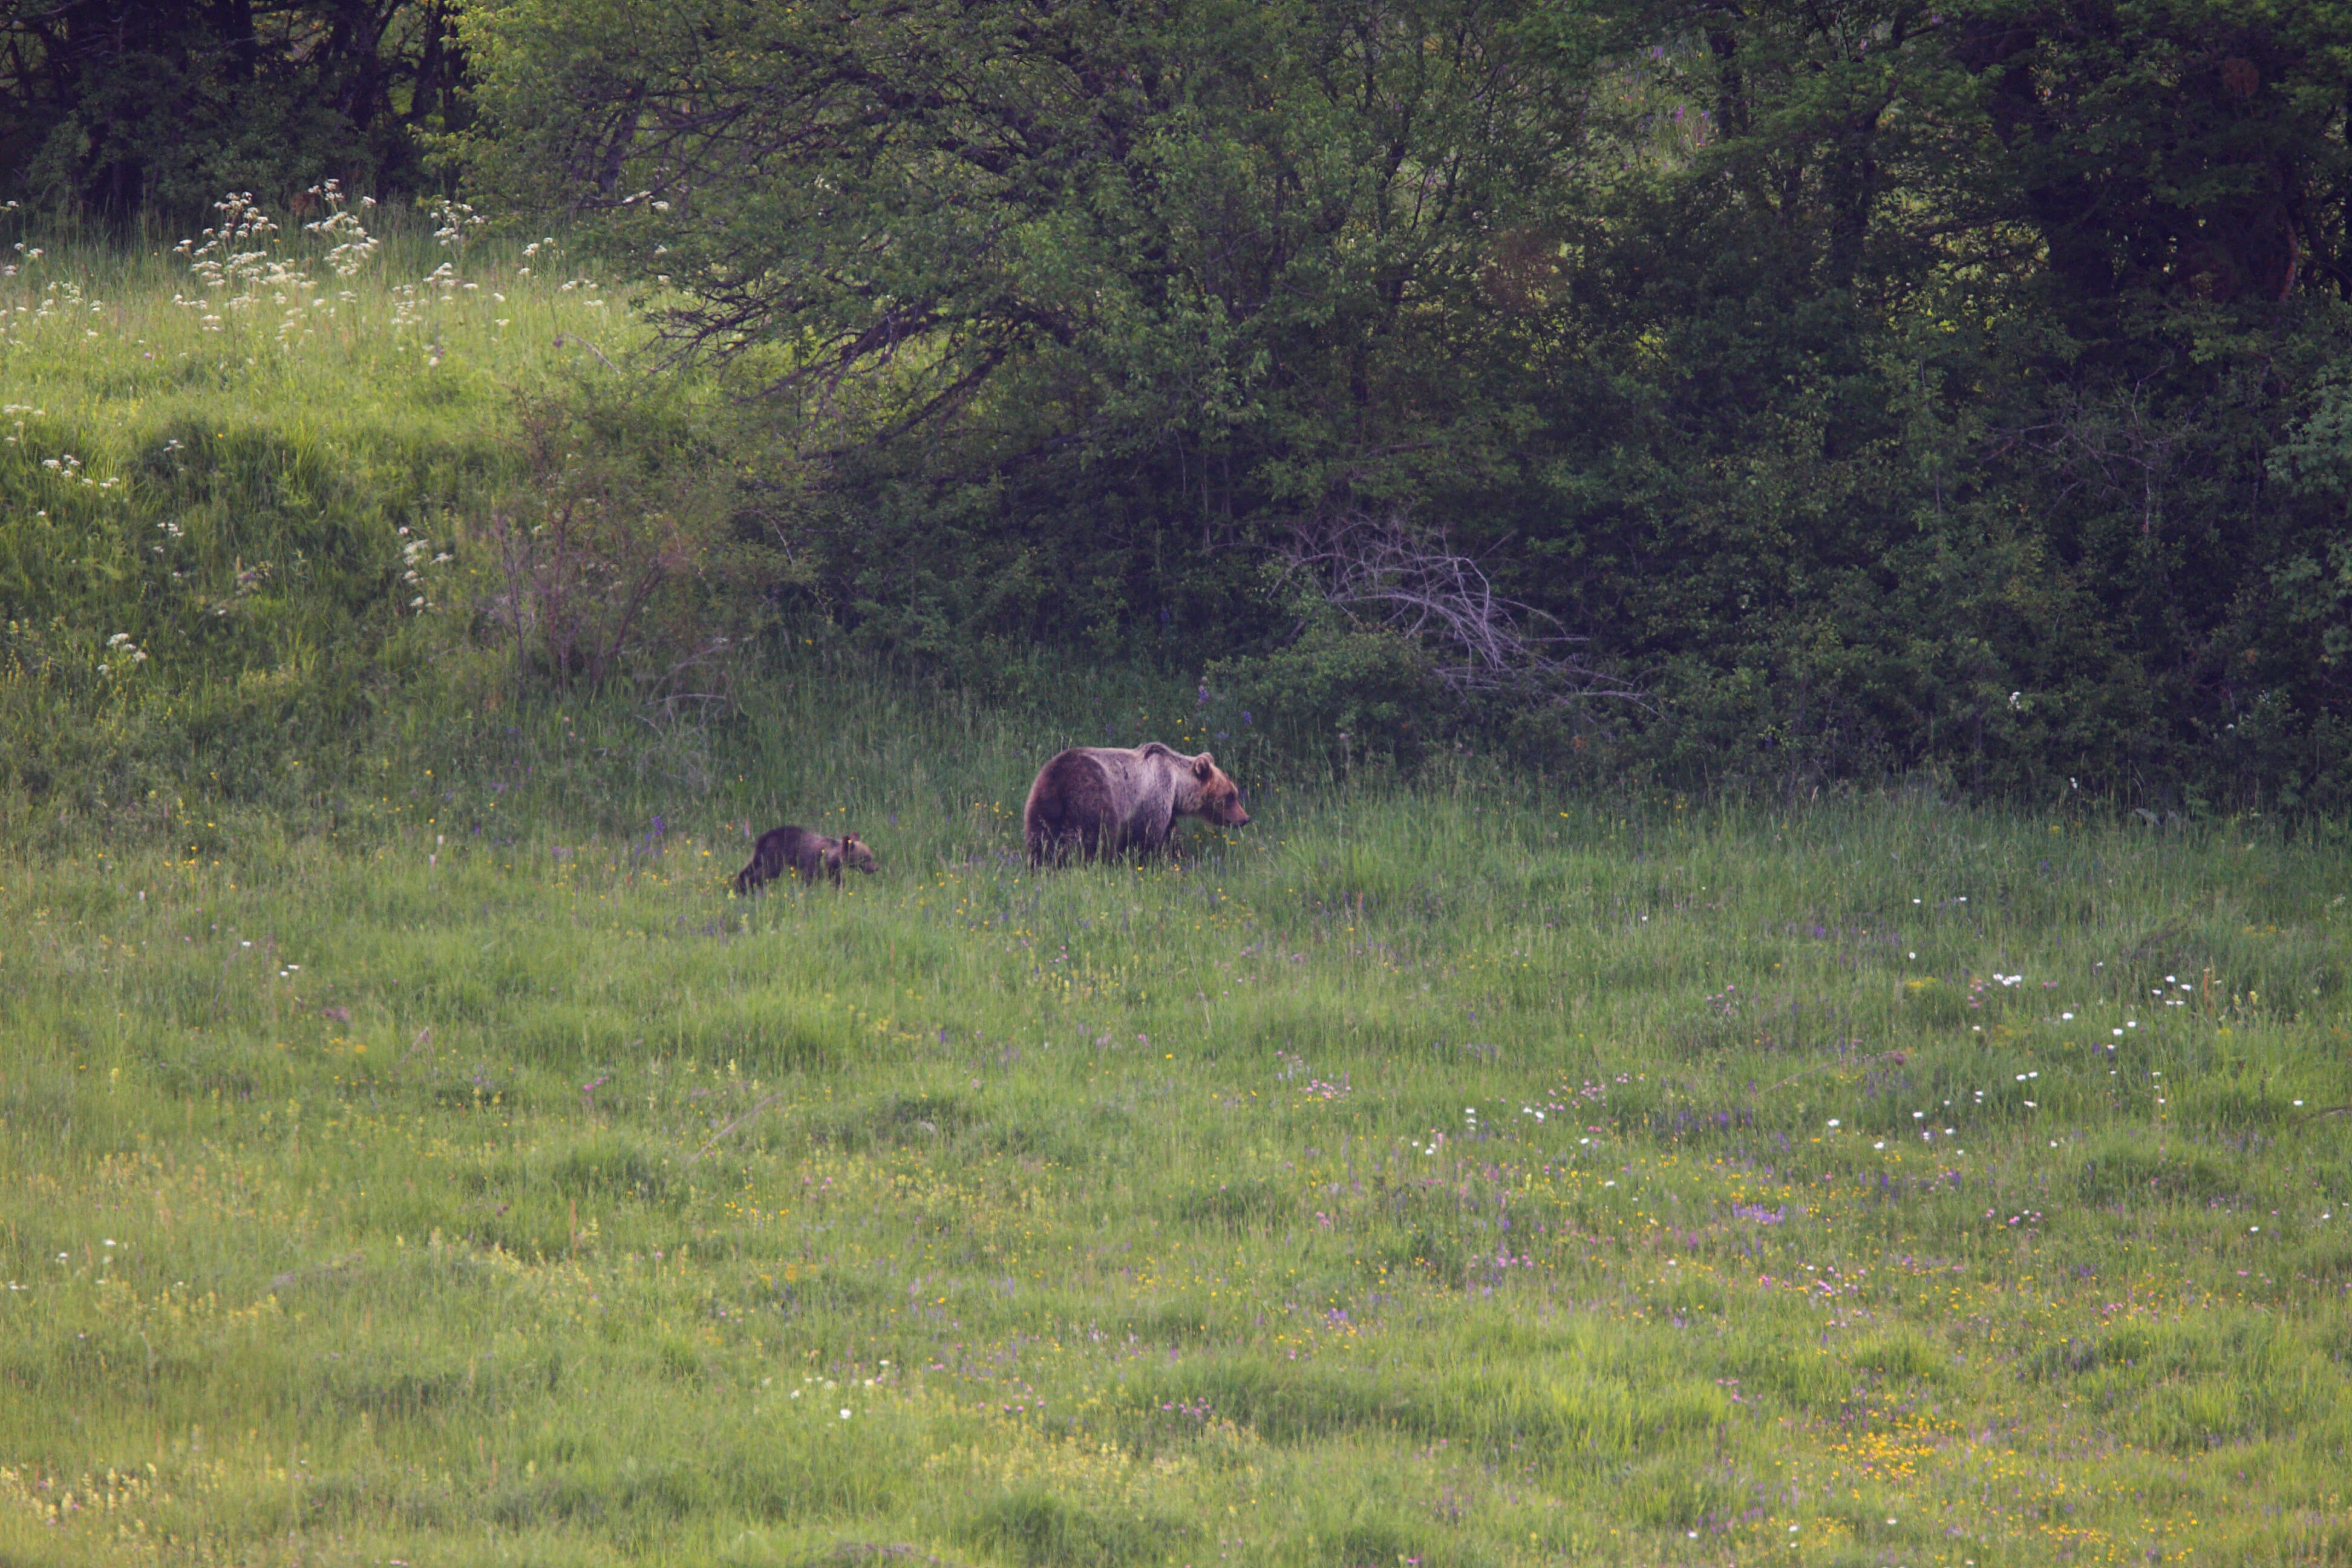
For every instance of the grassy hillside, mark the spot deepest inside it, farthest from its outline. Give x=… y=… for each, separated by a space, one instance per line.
x=410 y=1151
x=220 y=507
x=1406 y=1178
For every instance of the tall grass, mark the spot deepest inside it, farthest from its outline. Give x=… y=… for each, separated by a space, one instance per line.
x=1413 y=1175
x=231 y=517
x=242 y=562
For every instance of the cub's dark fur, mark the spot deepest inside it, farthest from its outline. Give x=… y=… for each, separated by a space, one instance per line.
x=805 y=854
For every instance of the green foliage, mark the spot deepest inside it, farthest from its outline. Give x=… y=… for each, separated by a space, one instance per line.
x=1344 y=691
x=152 y=108
x=1770 y=373
x=1783 y=357
x=1124 y=271
x=1779 y=367
x=631 y=549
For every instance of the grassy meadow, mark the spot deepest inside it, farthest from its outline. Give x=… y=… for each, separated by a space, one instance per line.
x=1435 y=1177
x=411 y=1152
x=241 y=496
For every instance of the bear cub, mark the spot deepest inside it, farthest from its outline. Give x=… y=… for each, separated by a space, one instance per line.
x=805 y=854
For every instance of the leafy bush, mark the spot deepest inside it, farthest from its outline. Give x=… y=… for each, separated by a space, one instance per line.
x=1338 y=692
x=633 y=551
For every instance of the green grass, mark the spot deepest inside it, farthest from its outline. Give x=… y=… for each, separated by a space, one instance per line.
x=415 y=1191
x=410 y=1151
x=207 y=501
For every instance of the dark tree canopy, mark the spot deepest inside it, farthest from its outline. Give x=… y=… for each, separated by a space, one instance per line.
x=1876 y=386
x=1770 y=393
x=125 y=106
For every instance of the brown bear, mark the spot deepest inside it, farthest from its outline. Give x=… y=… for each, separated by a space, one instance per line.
x=1101 y=800
x=805 y=855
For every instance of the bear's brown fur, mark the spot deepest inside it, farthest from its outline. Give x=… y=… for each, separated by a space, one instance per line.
x=805 y=855
x=1102 y=800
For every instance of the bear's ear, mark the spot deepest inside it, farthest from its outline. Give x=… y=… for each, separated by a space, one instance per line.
x=1203 y=766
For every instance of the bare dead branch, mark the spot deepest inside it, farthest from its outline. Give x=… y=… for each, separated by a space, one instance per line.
x=2104 y=445
x=1379 y=568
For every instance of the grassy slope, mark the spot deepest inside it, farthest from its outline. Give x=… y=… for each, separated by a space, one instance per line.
x=422 y=1170
x=229 y=480
x=524 y=1191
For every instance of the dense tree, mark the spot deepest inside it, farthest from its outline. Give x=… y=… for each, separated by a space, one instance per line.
x=1103 y=306
x=125 y=106
x=1974 y=330
x=1869 y=387
x=1880 y=385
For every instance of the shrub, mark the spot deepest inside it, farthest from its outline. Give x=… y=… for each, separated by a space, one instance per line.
x=633 y=553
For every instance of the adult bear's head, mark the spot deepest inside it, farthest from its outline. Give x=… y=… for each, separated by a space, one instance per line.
x=1220 y=801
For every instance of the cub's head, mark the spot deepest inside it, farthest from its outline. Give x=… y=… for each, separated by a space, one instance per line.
x=1221 y=802
x=855 y=853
